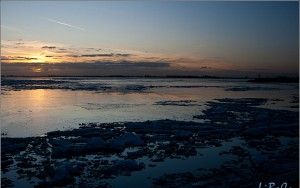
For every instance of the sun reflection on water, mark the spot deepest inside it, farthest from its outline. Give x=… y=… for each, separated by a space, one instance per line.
x=38 y=96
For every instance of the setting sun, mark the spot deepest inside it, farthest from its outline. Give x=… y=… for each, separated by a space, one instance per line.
x=38 y=58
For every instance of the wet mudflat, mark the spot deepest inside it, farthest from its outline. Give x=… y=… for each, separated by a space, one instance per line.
x=232 y=142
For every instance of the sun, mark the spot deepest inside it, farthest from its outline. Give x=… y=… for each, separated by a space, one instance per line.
x=38 y=58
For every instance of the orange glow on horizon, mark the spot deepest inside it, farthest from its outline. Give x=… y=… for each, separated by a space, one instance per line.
x=38 y=53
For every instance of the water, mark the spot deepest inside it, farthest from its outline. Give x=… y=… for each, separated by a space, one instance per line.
x=28 y=111
x=191 y=164
x=35 y=106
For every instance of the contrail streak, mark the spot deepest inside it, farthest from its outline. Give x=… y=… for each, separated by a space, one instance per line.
x=65 y=24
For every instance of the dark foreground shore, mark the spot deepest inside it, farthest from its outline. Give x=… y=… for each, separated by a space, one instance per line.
x=95 y=154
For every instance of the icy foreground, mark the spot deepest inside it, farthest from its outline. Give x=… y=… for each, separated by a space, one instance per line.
x=95 y=153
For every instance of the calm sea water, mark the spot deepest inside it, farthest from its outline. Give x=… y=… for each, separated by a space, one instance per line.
x=33 y=112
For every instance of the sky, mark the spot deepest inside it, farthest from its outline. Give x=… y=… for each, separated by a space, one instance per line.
x=98 y=38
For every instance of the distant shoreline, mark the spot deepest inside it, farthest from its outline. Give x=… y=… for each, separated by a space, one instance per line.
x=124 y=76
x=250 y=79
x=275 y=80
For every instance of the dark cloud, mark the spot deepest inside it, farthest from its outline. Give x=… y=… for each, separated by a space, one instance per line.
x=137 y=64
x=49 y=47
x=92 y=49
x=123 y=55
x=106 y=55
x=86 y=69
x=121 y=64
x=124 y=68
x=205 y=67
x=63 y=50
x=100 y=55
x=97 y=55
x=54 y=56
x=17 y=58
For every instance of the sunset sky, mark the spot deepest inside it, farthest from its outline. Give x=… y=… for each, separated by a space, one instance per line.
x=96 y=38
